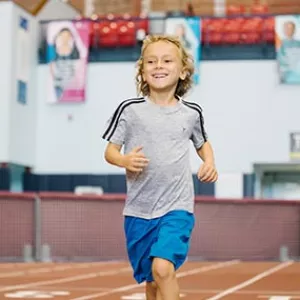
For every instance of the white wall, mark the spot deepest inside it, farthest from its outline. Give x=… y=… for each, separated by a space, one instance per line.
x=23 y=116
x=248 y=116
x=75 y=146
x=5 y=77
x=17 y=121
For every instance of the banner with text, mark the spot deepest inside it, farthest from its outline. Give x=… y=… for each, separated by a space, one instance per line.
x=67 y=57
x=287 y=45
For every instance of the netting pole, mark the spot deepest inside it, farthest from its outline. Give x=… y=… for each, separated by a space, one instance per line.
x=46 y=253
x=37 y=228
x=27 y=254
x=284 y=254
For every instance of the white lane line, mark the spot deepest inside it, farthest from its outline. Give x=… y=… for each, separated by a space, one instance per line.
x=62 y=267
x=64 y=280
x=251 y=280
x=278 y=297
x=263 y=293
x=179 y=275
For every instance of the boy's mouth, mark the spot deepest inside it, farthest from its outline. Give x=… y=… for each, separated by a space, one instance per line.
x=159 y=75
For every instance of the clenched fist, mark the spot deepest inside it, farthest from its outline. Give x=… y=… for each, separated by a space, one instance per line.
x=135 y=160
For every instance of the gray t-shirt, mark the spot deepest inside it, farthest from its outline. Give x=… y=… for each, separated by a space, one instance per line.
x=164 y=133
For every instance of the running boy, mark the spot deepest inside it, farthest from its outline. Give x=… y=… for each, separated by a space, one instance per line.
x=156 y=130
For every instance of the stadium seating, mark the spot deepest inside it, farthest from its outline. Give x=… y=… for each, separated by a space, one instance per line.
x=117 y=30
x=238 y=30
x=232 y=30
x=245 y=23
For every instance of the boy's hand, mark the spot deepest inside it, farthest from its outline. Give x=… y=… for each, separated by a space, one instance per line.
x=135 y=160
x=207 y=172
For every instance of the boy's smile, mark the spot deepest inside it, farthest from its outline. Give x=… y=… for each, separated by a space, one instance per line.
x=159 y=75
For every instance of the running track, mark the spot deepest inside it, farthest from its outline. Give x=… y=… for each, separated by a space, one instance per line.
x=231 y=280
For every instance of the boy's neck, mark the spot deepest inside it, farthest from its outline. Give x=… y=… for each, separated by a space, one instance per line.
x=163 y=98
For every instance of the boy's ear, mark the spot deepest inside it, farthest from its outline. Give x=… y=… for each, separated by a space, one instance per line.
x=183 y=74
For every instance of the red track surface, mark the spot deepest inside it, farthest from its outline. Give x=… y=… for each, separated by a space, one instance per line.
x=113 y=281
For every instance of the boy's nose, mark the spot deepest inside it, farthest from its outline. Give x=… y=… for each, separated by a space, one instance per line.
x=159 y=64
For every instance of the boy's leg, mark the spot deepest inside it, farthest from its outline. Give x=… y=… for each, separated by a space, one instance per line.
x=165 y=277
x=151 y=290
x=170 y=251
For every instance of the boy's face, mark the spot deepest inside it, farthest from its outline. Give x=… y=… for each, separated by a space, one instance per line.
x=162 y=66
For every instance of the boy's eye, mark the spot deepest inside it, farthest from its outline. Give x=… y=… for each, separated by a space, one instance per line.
x=150 y=61
x=168 y=60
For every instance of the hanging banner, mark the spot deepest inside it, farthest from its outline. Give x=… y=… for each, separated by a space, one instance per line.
x=67 y=57
x=287 y=43
x=188 y=29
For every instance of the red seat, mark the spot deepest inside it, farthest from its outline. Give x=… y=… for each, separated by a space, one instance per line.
x=231 y=31
x=94 y=34
x=214 y=31
x=126 y=34
x=96 y=28
x=108 y=36
x=251 y=31
x=268 y=30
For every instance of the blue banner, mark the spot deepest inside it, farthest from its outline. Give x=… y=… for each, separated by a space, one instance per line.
x=287 y=44
x=188 y=29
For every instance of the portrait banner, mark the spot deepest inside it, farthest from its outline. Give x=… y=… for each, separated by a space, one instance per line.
x=287 y=43
x=67 y=57
x=188 y=29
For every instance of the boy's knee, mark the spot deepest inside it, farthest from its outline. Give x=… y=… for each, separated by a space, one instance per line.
x=162 y=269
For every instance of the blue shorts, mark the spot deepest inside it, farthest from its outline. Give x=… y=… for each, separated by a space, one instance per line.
x=167 y=237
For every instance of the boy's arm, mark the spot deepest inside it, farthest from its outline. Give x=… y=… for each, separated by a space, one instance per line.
x=207 y=171
x=206 y=153
x=134 y=161
x=113 y=155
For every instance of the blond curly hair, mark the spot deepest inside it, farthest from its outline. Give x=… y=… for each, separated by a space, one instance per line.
x=183 y=86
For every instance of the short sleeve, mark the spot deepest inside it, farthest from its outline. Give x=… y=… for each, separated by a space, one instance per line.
x=115 y=128
x=199 y=135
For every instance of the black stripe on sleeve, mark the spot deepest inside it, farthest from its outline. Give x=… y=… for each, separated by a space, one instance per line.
x=197 y=108
x=116 y=116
